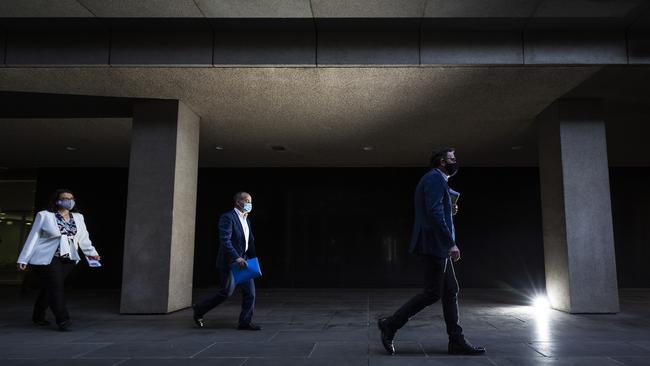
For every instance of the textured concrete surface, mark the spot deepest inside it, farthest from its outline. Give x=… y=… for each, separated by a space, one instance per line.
x=556 y=262
x=576 y=208
x=184 y=209
x=571 y=47
x=368 y=8
x=72 y=42
x=142 y=8
x=94 y=147
x=256 y=8
x=370 y=42
x=470 y=46
x=321 y=8
x=161 y=204
x=43 y=8
x=479 y=8
x=161 y=42
x=326 y=327
x=333 y=112
x=256 y=42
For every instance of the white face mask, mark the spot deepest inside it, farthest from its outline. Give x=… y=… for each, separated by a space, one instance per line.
x=66 y=203
x=248 y=207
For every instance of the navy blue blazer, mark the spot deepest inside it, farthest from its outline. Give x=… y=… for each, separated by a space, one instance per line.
x=232 y=242
x=433 y=230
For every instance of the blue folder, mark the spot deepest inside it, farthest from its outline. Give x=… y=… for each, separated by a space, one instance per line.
x=241 y=275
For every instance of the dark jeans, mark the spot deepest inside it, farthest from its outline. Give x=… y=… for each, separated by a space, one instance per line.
x=439 y=283
x=52 y=295
x=225 y=291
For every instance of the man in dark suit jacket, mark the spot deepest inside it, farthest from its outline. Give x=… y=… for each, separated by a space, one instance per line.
x=236 y=245
x=434 y=239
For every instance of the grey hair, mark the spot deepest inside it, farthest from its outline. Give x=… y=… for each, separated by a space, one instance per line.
x=239 y=195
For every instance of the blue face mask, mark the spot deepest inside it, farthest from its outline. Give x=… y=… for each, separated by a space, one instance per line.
x=66 y=204
x=248 y=207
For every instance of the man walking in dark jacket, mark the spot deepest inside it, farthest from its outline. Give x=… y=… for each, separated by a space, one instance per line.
x=434 y=240
x=236 y=244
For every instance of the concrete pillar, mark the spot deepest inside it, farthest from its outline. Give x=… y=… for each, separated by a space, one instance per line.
x=161 y=208
x=576 y=209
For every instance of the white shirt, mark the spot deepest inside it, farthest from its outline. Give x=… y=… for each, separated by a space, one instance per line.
x=445 y=176
x=453 y=230
x=244 y=225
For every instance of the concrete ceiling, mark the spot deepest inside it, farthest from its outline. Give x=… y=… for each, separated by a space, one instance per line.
x=31 y=143
x=323 y=116
x=320 y=8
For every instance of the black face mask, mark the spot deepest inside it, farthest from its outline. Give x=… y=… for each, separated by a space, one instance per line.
x=452 y=169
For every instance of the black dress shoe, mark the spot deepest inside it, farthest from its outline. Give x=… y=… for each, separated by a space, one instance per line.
x=249 y=326
x=64 y=326
x=198 y=320
x=464 y=348
x=41 y=322
x=387 y=335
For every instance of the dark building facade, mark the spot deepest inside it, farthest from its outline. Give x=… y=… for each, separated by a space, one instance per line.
x=326 y=112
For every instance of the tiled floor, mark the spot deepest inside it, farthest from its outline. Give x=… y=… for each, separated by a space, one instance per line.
x=325 y=327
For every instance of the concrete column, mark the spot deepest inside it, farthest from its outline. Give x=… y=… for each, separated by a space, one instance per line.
x=161 y=208
x=576 y=208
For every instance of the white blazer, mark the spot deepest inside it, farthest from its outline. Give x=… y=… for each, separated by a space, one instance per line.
x=45 y=237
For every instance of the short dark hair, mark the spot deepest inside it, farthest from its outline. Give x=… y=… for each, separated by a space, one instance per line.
x=51 y=204
x=239 y=196
x=438 y=154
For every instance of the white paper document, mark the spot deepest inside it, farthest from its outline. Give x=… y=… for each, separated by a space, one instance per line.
x=93 y=262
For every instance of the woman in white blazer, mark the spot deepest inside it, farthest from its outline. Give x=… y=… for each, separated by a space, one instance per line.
x=52 y=250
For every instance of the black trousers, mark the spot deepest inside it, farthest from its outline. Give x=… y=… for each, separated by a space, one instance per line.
x=439 y=283
x=225 y=291
x=52 y=293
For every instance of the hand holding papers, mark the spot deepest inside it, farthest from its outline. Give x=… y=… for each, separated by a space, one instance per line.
x=454 y=200
x=454 y=196
x=93 y=262
x=252 y=270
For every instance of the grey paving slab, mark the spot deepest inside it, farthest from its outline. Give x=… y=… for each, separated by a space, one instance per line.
x=61 y=362
x=605 y=336
x=402 y=349
x=577 y=348
x=150 y=350
x=642 y=344
x=423 y=334
x=304 y=362
x=210 y=335
x=41 y=335
x=28 y=349
x=563 y=361
x=457 y=361
x=633 y=361
x=185 y=361
x=322 y=335
x=339 y=350
x=274 y=349
x=495 y=348
x=325 y=327
x=345 y=326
